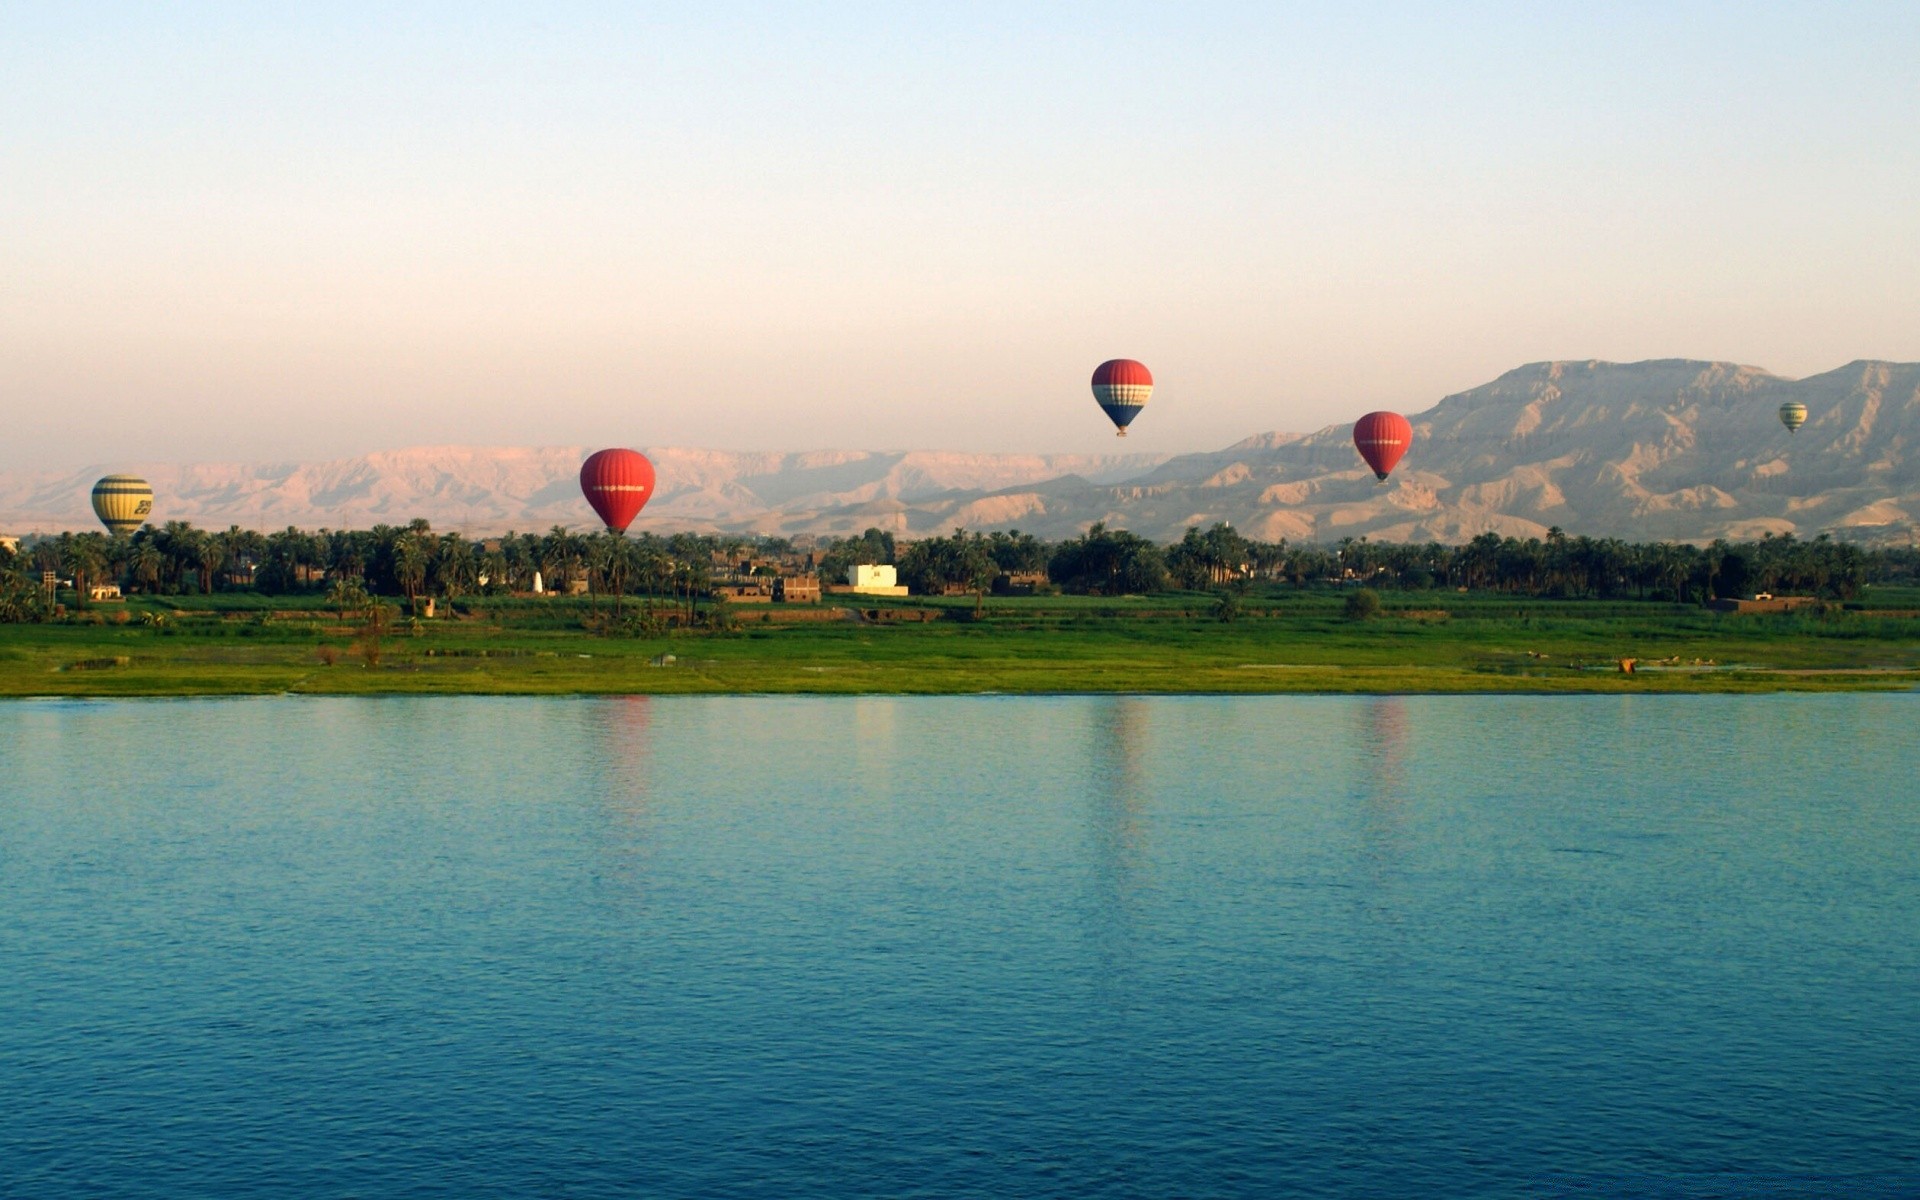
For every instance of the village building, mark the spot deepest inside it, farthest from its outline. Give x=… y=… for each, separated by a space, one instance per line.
x=1019 y=583
x=871 y=579
x=1763 y=603
x=797 y=589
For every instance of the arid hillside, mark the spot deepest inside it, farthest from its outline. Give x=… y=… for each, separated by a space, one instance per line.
x=1670 y=449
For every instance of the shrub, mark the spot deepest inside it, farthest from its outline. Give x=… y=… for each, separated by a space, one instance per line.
x=1363 y=605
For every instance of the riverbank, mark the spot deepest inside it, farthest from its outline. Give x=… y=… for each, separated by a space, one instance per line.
x=1285 y=643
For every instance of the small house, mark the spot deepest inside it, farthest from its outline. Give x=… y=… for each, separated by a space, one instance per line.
x=1019 y=583
x=797 y=589
x=873 y=579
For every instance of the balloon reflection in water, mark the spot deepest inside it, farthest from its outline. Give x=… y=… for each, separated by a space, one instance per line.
x=1119 y=795
x=624 y=745
x=614 y=791
x=1382 y=742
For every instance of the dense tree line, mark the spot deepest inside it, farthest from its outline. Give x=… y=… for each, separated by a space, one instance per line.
x=873 y=546
x=413 y=561
x=409 y=562
x=1558 y=565
x=1108 y=562
x=969 y=562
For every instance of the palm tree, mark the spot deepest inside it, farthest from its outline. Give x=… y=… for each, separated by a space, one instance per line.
x=210 y=553
x=348 y=597
x=410 y=566
x=243 y=549
x=118 y=555
x=453 y=566
x=613 y=555
x=147 y=564
x=560 y=555
x=175 y=541
x=493 y=571
x=283 y=554
x=80 y=558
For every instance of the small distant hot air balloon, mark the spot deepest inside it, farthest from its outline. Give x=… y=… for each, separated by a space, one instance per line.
x=618 y=483
x=1381 y=438
x=1121 y=386
x=1793 y=415
x=123 y=503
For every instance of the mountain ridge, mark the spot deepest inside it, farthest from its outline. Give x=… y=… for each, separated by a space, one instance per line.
x=1677 y=449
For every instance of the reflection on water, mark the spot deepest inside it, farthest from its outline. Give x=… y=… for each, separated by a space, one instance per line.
x=613 y=781
x=1117 y=795
x=1383 y=746
x=1121 y=731
x=873 y=729
x=622 y=750
x=1051 y=946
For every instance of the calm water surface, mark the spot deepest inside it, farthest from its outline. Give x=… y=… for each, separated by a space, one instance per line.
x=975 y=946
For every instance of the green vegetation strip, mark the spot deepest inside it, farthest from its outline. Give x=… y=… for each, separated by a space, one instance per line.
x=1293 y=641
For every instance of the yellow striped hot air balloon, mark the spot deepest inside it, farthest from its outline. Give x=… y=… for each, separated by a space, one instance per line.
x=1793 y=415
x=123 y=503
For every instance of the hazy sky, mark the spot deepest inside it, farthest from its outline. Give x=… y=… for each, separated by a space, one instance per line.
x=225 y=234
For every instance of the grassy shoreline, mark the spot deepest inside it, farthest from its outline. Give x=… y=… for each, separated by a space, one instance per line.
x=1289 y=642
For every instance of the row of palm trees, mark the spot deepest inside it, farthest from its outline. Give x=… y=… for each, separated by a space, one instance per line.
x=173 y=557
x=1558 y=565
x=411 y=560
x=414 y=561
x=1112 y=561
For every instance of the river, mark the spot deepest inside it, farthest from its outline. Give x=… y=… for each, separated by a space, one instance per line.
x=889 y=946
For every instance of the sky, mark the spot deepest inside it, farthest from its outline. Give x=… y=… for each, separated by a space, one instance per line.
x=227 y=233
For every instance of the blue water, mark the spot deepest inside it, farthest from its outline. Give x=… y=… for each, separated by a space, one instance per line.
x=960 y=947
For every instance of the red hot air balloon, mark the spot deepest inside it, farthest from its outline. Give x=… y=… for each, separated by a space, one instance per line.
x=1381 y=438
x=1121 y=387
x=618 y=483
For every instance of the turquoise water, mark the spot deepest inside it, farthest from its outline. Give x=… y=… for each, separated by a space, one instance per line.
x=970 y=946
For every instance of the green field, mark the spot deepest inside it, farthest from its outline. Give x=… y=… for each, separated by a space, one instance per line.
x=1288 y=641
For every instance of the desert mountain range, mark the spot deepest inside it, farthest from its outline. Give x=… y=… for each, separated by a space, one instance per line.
x=1670 y=449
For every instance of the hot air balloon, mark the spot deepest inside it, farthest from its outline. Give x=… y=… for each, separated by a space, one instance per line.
x=1793 y=415
x=1381 y=438
x=123 y=503
x=1121 y=386
x=618 y=483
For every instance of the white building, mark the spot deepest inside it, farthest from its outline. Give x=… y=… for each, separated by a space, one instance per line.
x=874 y=579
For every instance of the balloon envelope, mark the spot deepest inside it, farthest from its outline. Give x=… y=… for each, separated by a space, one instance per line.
x=1121 y=387
x=1793 y=416
x=1381 y=438
x=123 y=503
x=618 y=483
